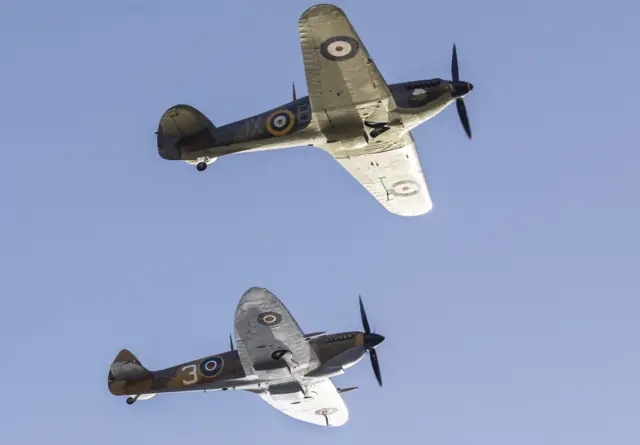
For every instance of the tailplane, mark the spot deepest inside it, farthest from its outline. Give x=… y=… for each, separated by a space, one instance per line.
x=126 y=371
x=183 y=128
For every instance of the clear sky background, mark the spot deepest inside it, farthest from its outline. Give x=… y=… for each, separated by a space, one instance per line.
x=511 y=311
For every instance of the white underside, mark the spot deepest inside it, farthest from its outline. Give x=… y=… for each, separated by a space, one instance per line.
x=205 y=159
x=310 y=410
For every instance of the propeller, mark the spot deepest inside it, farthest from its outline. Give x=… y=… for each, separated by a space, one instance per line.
x=371 y=340
x=460 y=89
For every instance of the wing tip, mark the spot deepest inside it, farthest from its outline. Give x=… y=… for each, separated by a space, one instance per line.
x=420 y=211
x=321 y=10
x=255 y=292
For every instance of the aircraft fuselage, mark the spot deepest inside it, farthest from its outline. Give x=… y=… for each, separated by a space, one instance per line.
x=186 y=134
x=224 y=371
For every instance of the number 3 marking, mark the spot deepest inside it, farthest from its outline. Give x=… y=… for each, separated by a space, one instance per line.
x=191 y=373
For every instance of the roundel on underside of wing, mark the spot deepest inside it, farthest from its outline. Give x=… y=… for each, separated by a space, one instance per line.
x=280 y=122
x=339 y=48
x=326 y=411
x=211 y=367
x=269 y=318
x=407 y=187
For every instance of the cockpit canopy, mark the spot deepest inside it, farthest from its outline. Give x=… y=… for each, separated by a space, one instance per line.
x=430 y=83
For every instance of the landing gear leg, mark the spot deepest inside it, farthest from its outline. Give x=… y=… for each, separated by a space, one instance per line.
x=378 y=128
x=202 y=166
x=378 y=131
x=132 y=400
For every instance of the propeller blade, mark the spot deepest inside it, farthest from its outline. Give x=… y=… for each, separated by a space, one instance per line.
x=363 y=315
x=454 y=65
x=376 y=366
x=230 y=343
x=462 y=112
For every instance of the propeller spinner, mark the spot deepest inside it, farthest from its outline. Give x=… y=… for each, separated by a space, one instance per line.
x=459 y=90
x=371 y=340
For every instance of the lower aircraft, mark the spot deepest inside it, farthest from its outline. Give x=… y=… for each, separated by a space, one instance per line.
x=287 y=368
x=350 y=112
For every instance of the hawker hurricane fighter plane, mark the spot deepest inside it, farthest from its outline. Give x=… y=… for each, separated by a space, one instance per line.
x=351 y=112
x=288 y=369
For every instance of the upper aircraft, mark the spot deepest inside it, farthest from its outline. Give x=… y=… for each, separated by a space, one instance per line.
x=288 y=369
x=351 y=112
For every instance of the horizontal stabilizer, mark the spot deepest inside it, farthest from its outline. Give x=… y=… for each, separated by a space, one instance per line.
x=183 y=129
x=128 y=376
x=126 y=367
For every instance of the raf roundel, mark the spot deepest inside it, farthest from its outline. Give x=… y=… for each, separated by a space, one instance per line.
x=280 y=122
x=269 y=318
x=404 y=188
x=326 y=411
x=339 y=48
x=211 y=367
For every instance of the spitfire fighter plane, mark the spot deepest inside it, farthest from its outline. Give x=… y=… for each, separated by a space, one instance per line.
x=288 y=369
x=351 y=113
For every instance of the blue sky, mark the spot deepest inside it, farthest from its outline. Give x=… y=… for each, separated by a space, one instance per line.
x=510 y=311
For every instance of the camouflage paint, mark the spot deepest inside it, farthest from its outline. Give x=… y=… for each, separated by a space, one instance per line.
x=189 y=376
x=184 y=130
x=193 y=376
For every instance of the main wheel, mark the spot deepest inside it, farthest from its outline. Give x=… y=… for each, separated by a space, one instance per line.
x=202 y=166
x=277 y=355
x=130 y=400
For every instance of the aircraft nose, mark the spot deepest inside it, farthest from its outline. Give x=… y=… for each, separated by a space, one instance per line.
x=460 y=89
x=372 y=340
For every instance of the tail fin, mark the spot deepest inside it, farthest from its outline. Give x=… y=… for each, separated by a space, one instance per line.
x=183 y=127
x=125 y=370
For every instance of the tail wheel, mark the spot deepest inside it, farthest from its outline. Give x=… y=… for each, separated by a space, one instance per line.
x=202 y=166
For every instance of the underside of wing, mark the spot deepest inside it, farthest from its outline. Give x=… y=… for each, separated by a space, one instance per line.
x=394 y=177
x=326 y=408
x=340 y=73
x=264 y=331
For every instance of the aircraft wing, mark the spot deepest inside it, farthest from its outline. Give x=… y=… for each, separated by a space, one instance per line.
x=393 y=176
x=340 y=74
x=263 y=326
x=326 y=408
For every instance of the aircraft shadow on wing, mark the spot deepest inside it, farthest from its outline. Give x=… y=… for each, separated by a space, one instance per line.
x=350 y=112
